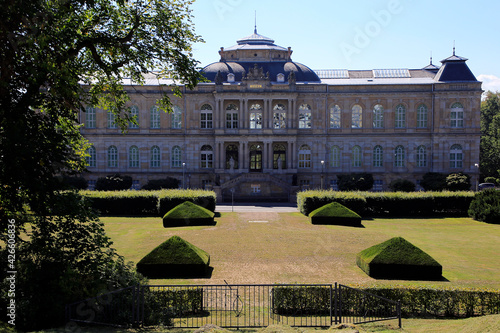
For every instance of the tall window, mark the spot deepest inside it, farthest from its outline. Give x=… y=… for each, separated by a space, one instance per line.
x=90 y=117
x=176 y=157
x=335 y=113
x=279 y=156
x=232 y=116
x=378 y=157
x=457 y=115
x=91 y=158
x=177 y=117
x=207 y=157
x=256 y=116
x=421 y=157
x=304 y=157
x=111 y=120
x=400 y=116
x=232 y=156
x=206 y=120
x=133 y=157
x=134 y=115
x=422 y=114
x=399 y=157
x=112 y=157
x=155 y=157
x=335 y=157
x=356 y=156
x=357 y=116
x=279 y=116
x=456 y=156
x=155 y=117
x=378 y=116
x=305 y=116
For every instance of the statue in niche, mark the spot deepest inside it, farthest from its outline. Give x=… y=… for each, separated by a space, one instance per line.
x=218 y=78
x=280 y=163
x=231 y=164
x=291 y=78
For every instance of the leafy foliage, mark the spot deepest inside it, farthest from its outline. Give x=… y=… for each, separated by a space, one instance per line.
x=164 y=183
x=458 y=182
x=490 y=135
x=114 y=182
x=402 y=185
x=301 y=300
x=355 y=182
x=486 y=206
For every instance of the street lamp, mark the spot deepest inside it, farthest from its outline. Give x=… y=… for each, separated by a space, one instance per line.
x=477 y=177
x=322 y=167
x=183 y=175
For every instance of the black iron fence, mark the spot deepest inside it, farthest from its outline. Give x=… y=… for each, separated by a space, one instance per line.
x=234 y=306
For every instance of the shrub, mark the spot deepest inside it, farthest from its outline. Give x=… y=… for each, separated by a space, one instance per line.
x=301 y=300
x=78 y=182
x=491 y=180
x=186 y=214
x=485 y=206
x=397 y=258
x=433 y=181
x=163 y=305
x=355 y=182
x=124 y=203
x=335 y=213
x=113 y=183
x=159 y=184
x=458 y=182
x=402 y=185
x=174 y=258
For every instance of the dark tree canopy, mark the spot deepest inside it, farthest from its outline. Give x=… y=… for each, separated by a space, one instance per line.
x=490 y=136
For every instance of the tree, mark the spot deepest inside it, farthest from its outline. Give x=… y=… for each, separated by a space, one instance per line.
x=490 y=135
x=433 y=181
x=458 y=182
x=355 y=182
x=402 y=185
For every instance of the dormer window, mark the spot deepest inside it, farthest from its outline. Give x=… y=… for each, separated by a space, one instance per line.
x=230 y=77
x=280 y=78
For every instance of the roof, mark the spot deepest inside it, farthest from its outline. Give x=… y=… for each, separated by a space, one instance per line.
x=255 y=42
x=455 y=69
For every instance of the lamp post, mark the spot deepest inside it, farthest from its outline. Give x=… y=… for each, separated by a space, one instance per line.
x=477 y=177
x=322 y=168
x=183 y=175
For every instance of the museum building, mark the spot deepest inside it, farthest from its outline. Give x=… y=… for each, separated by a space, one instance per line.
x=265 y=126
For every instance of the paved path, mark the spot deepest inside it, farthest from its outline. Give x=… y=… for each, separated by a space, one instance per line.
x=260 y=207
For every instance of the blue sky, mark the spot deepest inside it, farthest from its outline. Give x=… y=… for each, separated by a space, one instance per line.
x=360 y=34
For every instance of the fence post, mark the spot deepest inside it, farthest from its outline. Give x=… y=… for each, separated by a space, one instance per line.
x=331 y=305
x=336 y=304
x=399 y=313
x=340 y=303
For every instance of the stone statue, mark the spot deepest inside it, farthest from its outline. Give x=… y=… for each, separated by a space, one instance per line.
x=280 y=164
x=231 y=163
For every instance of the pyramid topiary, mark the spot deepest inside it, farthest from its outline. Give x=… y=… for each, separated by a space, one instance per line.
x=335 y=213
x=398 y=259
x=187 y=214
x=175 y=258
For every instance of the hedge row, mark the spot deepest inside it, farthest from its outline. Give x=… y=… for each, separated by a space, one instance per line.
x=146 y=203
x=389 y=203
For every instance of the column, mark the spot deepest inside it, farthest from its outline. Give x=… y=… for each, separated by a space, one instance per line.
x=289 y=115
x=289 y=155
x=244 y=114
x=270 y=113
x=270 y=156
x=240 y=156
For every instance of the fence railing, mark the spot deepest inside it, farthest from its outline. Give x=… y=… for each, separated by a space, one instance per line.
x=234 y=306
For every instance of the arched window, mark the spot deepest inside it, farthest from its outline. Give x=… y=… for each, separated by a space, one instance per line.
x=207 y=157
x=279 y=116
x=133 y=157
x=232 y=154
x=378 y=116
x=378 y=157
x=206 y=117
x=90 y=119
x=422 y=115
x=155 y=117
x=134 y=115
x=335 y=157
x=91 y=158
x=305 y=116
x=457 y=115
x=256 y=116
x=111 y=119
x=421 y=157
x=400 y=116
x=177 y=117
x=232 y=116
x=357 y=116
x=256 y=158
x=356 y=156
x=155 y=157
x=335 y=113
x=112 y=157
x=304 y=157
x=399 y=157
x=279 y=155
x=456 y=157
x=176 y=157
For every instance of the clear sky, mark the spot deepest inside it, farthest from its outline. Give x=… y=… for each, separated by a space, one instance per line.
x=360 y=34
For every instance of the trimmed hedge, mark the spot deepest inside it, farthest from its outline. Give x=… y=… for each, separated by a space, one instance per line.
x=147 y=203
x=391 y=204
x=162 y=305
x=335 y=214
x=301 y=301
x=187 y=214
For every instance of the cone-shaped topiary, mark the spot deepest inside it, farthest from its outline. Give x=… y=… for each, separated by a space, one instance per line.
x=398 y=259
x=175 y=258
x=188 y=214
x=335 y=213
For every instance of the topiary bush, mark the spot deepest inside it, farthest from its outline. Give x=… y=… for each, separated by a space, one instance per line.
x=175 y=258
x=355 y=182
x=398 y=259
x=159 y=184
x=458 y=182
x=335 y=214
x=114 y=182
x=485 y=206
x=188 y=214
x=402 y=185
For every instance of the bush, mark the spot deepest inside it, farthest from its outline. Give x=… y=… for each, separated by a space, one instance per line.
x=485 y=206
x=402 y=185
x=458 y=182
x=433 y=181
x=491 y=180
x=301 y=301
x=187 y=214
x=113 y=183
x=161 y=306
x=77 y=183
x=336 y=214
x=159 y=184
x=355 y=182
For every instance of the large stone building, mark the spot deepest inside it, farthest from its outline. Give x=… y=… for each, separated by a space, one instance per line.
x=266 y=126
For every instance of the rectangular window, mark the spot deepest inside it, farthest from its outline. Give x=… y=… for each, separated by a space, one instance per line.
x=457 y=119
x=136 y=185
x=155 y=117
x=304 y=184
x=255 y=120
x=378 y=185
x=90 y=118
x=422 y=117
x=255 y=188
x=232 y=120
x=279 y=120
x=334 y=185
x=91 y=185
x=177 y=119
x=111 y=120
x=206 y=120
x=305 y=120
